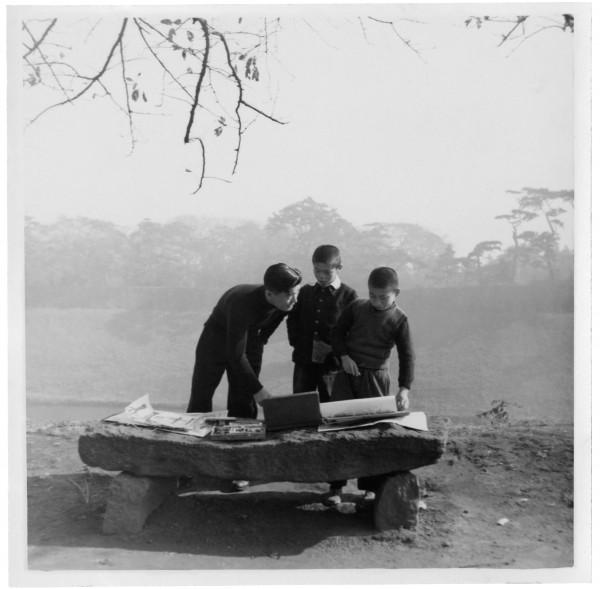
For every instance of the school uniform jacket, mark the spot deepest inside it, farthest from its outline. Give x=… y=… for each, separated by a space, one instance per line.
x=314 y=316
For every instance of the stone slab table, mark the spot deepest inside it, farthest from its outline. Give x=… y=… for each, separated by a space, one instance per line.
x=151 y=462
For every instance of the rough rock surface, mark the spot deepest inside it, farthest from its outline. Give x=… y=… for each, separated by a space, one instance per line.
x=132 y=499
x=397 y=502
x=298 y=456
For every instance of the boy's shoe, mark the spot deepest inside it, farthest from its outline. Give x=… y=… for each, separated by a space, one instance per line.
x=238 y=486
x=366 y=502
x=333 y=499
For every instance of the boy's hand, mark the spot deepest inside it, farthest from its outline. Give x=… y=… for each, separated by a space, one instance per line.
x=402 y=400
x=262 y=395
x=350 y=366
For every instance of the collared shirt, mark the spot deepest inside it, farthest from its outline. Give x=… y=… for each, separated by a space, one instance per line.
x=334 y=285
x=314 y=316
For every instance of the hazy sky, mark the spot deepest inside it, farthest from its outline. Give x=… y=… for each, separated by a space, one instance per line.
x=373 y=131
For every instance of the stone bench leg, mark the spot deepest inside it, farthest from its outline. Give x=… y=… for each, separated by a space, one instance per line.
x=132 y=499
x=397 y=502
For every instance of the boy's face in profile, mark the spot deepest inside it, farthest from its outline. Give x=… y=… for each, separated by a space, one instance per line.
x=382 y=298
x=285 y=300
x=325 y=273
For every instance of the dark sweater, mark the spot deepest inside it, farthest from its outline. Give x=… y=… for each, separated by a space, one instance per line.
x=314 y=316
x=368 y=336
x=242 y=319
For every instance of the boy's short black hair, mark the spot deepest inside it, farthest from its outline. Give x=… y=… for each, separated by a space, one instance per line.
x=281 y=277
x=384 y=277
x=327 y=254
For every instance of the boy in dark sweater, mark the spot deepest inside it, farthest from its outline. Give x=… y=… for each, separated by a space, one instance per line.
x=363 y=338
x=310 y=323
x=233 y=338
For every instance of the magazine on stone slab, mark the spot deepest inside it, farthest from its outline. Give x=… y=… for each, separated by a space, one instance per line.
x=141 y=413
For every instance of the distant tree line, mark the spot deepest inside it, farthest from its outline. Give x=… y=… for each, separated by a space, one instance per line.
x=88 y=262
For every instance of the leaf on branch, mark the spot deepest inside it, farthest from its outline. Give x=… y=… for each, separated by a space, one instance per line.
x=166 y=21
x=178 y=22
x=135 y=94
x=188 y=170
x=170 y=35
x=144 y=97
x=184 y=54
x=569 y=22
x=190 y=36
x=239 y=20
x=222 y=120
x=251 y=72
x=218 y=131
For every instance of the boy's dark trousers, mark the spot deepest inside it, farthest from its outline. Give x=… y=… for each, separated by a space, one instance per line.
x=370 y=383
x=211 y=363
x=309 y=377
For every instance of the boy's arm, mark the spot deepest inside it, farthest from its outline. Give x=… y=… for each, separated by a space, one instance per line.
x=338 y=341
x=340 y=331
x=352 y=296
x=237 y=335
x=405 y=355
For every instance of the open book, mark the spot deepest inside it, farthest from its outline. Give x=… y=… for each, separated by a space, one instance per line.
x=353 y=413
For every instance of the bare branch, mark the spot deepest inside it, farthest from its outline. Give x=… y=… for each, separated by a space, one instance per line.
x=260 y=112
x=40 y=40
x=44 y=59
x=91 y=31
x=165 y=68
x=520 y=19
x=203 y=164
x=201 y=75
x=93 y=80
x=124 y=76
x=238 y=83
x=405 y=41
x=319 y=35
x=526 y=37
x=364 y=31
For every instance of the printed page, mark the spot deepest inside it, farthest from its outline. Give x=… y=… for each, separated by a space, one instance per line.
x=359 y=407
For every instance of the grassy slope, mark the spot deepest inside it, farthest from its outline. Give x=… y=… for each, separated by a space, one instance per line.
x=462 y=363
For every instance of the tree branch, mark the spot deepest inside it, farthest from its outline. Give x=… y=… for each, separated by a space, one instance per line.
x=93 y=80
x=526 y=37
x=41 y=39
x=203 y=165
x=260 y=112
x=44 y=59
x=405 y=41
x=201 y=75
x=154 y=54
x=124 y=76
x=238 y=83
x=520 y=19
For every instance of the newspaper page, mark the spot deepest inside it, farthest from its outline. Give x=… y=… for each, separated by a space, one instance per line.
x=141 y=413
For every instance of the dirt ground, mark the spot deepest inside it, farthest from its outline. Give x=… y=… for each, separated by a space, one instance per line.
x=521 y=472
